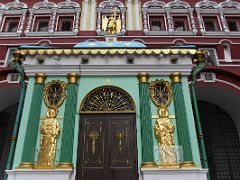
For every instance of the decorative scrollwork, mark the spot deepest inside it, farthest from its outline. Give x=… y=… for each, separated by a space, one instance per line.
x=107 y=99
x=161 y=93
x=54 y=93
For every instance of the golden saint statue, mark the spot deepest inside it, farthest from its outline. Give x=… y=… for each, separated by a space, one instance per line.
x=164 y=132
x=50 y=130
x=111 y=24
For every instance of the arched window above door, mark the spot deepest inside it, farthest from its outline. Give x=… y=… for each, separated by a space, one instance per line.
x=107 y=99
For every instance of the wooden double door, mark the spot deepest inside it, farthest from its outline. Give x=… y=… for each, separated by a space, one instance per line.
x=107 y=147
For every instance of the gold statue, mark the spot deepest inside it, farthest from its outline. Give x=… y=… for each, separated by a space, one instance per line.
x=50 y=130
x=164 y=132
x=112 y=24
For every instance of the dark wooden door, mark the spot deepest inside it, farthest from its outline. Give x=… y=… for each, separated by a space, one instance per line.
x=107 y=147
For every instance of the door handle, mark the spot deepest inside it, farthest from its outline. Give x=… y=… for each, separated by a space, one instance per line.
x=93 y=136
x=120 y=136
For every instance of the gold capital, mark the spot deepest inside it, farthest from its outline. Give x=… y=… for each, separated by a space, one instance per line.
x=143 y=77
x=200 y=56
x=17 y=55
x=176 y=77
x=73 y=78
x=40 y=78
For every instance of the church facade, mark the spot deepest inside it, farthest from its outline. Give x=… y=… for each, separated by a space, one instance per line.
x=119 y=89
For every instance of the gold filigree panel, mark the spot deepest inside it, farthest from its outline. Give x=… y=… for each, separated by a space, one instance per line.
x=161 y=93
x=54 y=93
x=107 y=99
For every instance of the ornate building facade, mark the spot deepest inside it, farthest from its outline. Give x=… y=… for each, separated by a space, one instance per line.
x=119 y=89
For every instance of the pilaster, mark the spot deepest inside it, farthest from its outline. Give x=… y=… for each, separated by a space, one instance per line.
x=181 y=120
x=69 y=122
x=146 y=121
x=33 y=122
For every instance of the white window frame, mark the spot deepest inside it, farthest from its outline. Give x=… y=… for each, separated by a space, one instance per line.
x=62 y=16
x=5 y=21
x=182 y=15
x=33 y=29
x=155 y=15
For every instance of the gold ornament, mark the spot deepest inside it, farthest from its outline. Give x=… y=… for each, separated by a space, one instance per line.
x=112 y=24
x=54 y=93
x=164 y=132
x=50 y=130
x=161 y=93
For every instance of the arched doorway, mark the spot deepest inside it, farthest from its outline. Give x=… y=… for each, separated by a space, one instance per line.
x=107 y=147
x=7 y=119
x=221 y=141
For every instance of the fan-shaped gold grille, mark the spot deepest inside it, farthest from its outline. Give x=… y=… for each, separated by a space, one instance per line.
x=107 y=99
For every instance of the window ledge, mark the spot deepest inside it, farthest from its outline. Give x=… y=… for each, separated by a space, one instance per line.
x=234 y=33
x=102 y=33
x=64 y=33
x=152 y=33
x=9 y=34
x=183 y=33
x=179 y=33
x=213 y=33
x=39 y=34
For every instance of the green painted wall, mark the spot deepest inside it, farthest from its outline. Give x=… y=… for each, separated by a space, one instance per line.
x=194 y=143
x=23 y=125
x=191 y=123
x=86 y=84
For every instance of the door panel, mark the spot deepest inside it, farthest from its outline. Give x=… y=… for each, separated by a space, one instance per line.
x=120 y=143
x=107 y=147
x=93 y=155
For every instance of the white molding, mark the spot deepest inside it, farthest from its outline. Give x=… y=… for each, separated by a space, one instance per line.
x=92 y=70
x=173 y=174
x=3 y=81
x=219 y=80
x=39 y=174
x=15 y=5
x=154 y=3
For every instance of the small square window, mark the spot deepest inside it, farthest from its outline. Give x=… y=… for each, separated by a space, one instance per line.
x=180 y=23
x=233 y=23
x=211 y=23
x=179 y=26
x=42 y=26
x=210 y=26
x=11 y=24
x=156 y=23
x=65 y=23
x=66 y=26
